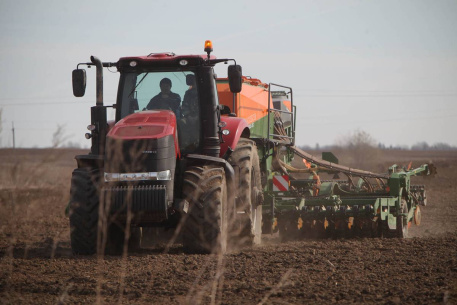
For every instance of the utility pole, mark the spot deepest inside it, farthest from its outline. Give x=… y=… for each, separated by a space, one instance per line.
x=14 y=140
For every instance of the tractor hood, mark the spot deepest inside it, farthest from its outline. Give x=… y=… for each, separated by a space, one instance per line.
x=151 y=124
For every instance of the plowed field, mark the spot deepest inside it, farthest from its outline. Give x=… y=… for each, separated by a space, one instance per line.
x=38 y=267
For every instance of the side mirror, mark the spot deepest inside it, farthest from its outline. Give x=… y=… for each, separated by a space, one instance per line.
x=79 y=82
x=224 y=109
x=133 y=106
x=234 y=76
x=190 y=80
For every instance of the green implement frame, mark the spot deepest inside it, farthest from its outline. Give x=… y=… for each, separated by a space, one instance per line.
x=343 y=208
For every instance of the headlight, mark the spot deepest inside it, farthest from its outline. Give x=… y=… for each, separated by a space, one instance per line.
x=163 y=175
x=111 y=177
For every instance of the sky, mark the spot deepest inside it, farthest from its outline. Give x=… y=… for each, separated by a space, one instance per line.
x=388 y=67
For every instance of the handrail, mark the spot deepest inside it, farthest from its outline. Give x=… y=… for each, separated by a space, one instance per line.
x=283 y=111
x=280 y=136
x=292 y=118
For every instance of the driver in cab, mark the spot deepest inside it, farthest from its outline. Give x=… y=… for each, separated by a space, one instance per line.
x=166 y=99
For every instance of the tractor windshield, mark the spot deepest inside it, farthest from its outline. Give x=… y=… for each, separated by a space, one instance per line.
x=176 y=91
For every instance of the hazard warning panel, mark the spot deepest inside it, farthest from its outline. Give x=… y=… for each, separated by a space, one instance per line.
x=280 y=183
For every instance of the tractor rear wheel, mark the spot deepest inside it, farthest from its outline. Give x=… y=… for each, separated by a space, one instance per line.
x=84 y=205
x=245 y=162
x=205 y=224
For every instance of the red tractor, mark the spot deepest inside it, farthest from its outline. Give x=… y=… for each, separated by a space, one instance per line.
x=173 y=158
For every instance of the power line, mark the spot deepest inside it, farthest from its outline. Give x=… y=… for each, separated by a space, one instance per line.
x=379 y=95
x=302 y=93
x=55 y=103
x=45 y=103
x=371 y=121
x=320 y=115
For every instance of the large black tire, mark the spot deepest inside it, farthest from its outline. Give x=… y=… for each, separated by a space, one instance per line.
x=84 y=218
x=84 y=205
x=205 y=224
x=245 y=162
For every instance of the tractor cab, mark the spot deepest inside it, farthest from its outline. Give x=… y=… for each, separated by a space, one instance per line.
x=183 y=85
x=145 y=93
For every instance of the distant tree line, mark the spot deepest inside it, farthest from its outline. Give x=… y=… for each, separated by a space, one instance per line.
x=417 y=146
x=436 y=146
x=361 y=140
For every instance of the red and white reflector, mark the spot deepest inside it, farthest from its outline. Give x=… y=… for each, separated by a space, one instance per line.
x=281 y=183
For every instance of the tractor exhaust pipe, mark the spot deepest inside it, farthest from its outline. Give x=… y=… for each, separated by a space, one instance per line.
x=98 y=113
x=97 y=62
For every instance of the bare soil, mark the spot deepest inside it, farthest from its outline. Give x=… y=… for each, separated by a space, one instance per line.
x=37 y=265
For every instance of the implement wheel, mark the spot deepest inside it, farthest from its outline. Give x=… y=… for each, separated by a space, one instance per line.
x=402 y=221
x=245 y=162
x=417 y=216
x=401 y=230
x=205 y=224
x=84 y=205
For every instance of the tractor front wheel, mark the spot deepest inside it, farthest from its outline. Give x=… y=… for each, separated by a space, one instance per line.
x=84 y=205
x=205 y=224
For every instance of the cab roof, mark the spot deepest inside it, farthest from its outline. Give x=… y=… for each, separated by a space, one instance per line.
x=156 y=60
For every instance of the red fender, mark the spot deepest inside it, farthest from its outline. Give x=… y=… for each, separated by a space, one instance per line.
x=235 y=126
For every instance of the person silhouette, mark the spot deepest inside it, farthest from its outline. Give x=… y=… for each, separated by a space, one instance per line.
x=166 y=99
